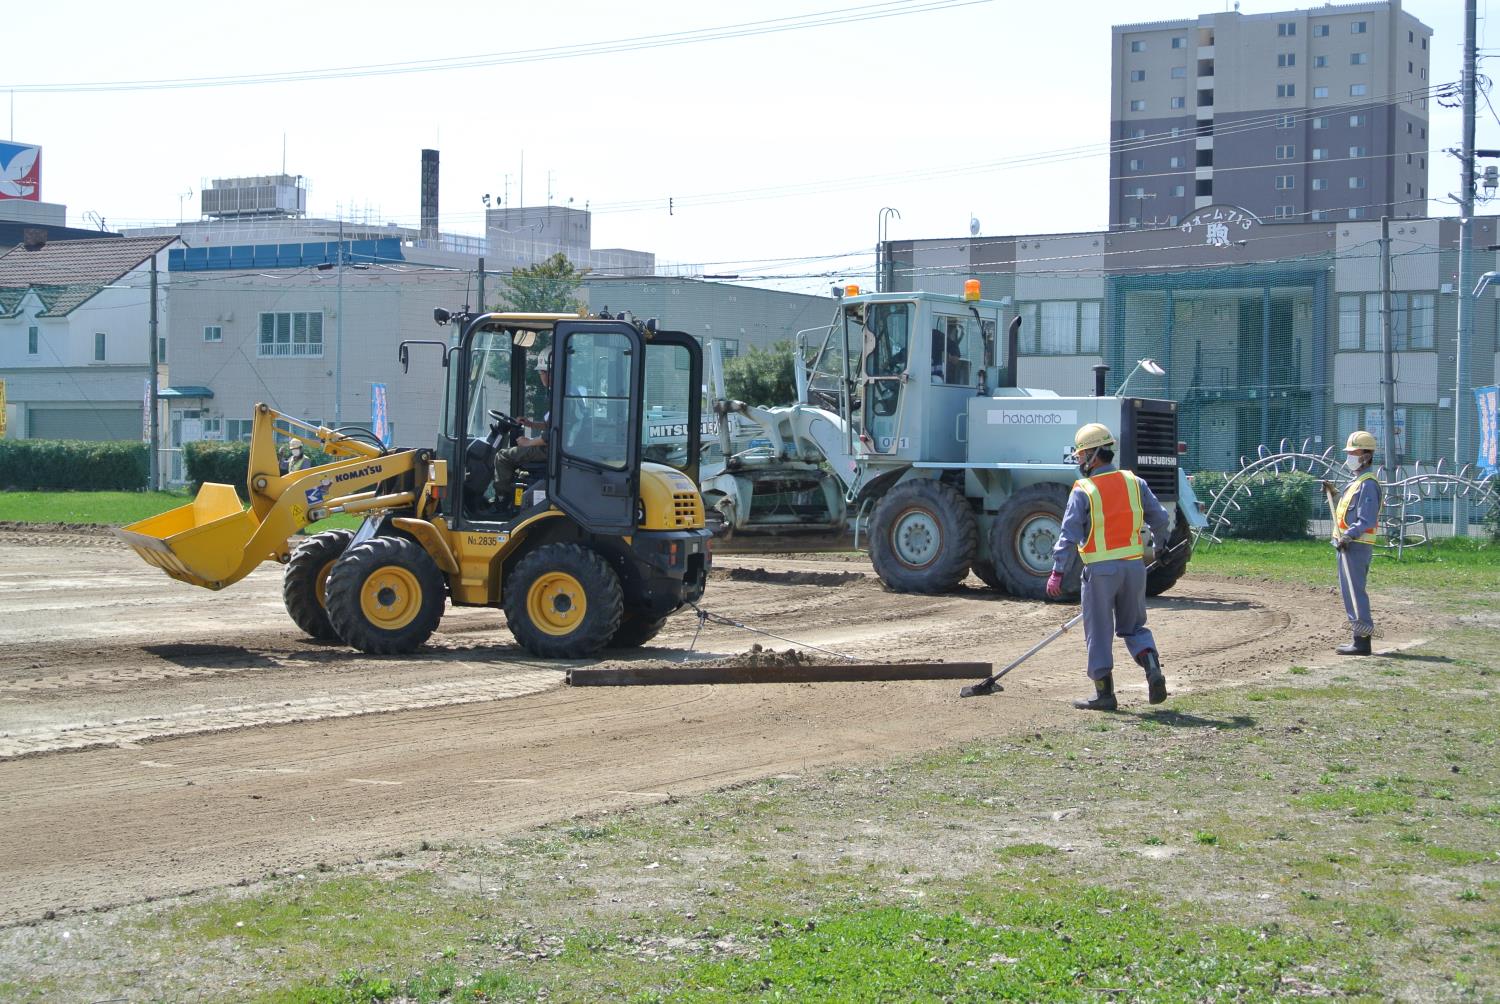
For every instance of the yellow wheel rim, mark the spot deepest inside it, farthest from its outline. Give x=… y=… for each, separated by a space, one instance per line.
x=390 y=597
x=556 y=603
x=320 y=583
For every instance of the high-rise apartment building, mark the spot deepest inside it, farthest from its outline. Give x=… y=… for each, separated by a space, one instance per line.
x=1317 y=114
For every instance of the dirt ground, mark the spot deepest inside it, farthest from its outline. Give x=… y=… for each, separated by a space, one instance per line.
x=157 y=739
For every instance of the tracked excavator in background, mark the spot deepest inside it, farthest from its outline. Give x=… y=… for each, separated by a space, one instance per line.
x=593 y=550
x=911 y=432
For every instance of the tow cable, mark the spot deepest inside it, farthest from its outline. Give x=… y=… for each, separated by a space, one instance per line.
x=705 y=617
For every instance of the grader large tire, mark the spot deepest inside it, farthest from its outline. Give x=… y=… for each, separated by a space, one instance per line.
x=1166 y=573
x=984 y=569
x=635 y=630
x=923 y=537
x=563 y=601
x=1021 y=541
x=303 y=587
x=385 y=596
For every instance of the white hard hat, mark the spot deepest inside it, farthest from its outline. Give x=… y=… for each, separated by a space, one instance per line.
x=1360 y=440
x=1092 y=437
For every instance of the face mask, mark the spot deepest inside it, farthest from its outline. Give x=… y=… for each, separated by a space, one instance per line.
x=1084 y=464
x=1354 y=462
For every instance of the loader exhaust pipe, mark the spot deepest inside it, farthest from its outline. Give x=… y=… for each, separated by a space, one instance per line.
x=1012 y=353
x=1100 y=369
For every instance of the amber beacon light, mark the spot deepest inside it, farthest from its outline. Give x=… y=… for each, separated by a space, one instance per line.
x=971 y=290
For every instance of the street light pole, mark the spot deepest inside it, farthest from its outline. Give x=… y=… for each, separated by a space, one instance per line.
x=338 y=339
x=152 y=400
x=1466 y=308
x=881 y=224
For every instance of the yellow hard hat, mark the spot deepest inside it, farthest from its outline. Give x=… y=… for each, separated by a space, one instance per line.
x=1093 y=436
x=1360 y=440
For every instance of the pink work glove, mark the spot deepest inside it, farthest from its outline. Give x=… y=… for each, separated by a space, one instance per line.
x=1054 y=585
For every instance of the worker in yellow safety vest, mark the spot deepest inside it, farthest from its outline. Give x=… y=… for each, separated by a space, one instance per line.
x=1102 y=526
x=1356 y=531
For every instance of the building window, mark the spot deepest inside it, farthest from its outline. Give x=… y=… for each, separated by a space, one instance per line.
x=1356 y=213
x=33 y=336
x=1320 y=31
x=1179 y=41
x=1319 y=62
x=1408 y=159
x=1286 y=90
x=98 y=346
x=1408 y=188
x=1319 y=153
x=1357 y=90
x=1285 y=182
x=1349 y=336
x=1424 y=42
x=1358 y=151
x=1408 y=132
x=294 y=333
x=1285 y=212
x=1358 y=119
x=1320 y=184
x=1175 y=162
x=1410 y=67
x=1138 y=105
x=1136 y=76
x=1411 y=36
x=1288 y=152
x=1412 y=322
x=1179 y=102
x=1320 y=92
x=1063 y=327
x=213 y=333
x=1316 y=215
x=1284 y=59
x=161 y=349
x=1176 y=131
x=1358 y=27
x=1134 y=164
x=1423 y=74
x=1179 y=190
x=1139 y=45
x=1172 y=221
x=1137 y=134
x=1179 y=73
x=1357 y=182
x=1359 y=58
x=1286 y=29
x=1286 y=121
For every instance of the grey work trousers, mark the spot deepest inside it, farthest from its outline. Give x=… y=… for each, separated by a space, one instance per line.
x=1114 y=603
x=1353 y=574
x=508 y=460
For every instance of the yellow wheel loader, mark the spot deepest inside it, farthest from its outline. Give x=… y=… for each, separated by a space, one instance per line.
x=588 y=548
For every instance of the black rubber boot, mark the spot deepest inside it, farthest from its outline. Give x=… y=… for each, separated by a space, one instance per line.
x=1156 y=681
x=1359 y=646
x=1104 y=696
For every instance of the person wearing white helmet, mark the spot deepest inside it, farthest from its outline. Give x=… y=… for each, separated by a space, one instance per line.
x=529 y=450
x=1356 y=531
x=1102 y=526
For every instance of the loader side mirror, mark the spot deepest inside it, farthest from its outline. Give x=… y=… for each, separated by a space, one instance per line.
x=403 y=353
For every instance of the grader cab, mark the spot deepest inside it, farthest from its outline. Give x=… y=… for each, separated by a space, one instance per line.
x=594 y=548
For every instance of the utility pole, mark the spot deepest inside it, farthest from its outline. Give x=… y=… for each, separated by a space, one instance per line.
x=1388 y=378
x=338 y=339
x=480 y=285
x=151 y=395
x=1466 y=307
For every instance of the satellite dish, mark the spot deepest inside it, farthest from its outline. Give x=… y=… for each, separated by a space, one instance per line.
x=1153 y=367
x=973 y=226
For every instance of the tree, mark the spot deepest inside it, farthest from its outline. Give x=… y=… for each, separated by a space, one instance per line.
x=762 y=378
x=548 y=287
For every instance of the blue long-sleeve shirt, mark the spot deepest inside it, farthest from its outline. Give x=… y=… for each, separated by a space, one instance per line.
x=1076 y=521
x=1363 y=513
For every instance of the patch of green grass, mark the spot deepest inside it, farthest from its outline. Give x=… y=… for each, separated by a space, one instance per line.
x=1456 y=855
x=1013 y=851
x=110 y=508
x=1358 y=801
x=443 y=983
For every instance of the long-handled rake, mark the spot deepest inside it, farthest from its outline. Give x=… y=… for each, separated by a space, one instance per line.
x=991 y=684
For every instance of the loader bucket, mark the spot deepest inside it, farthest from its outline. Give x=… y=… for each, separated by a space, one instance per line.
x=201 y=543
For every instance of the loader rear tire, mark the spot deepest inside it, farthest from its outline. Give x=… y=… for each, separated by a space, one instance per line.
x=303 y=588
x=1021 y=541
x=563 y=601
x=385 y=596
x=635 y=630
x=1165 y=575
x=923 y=537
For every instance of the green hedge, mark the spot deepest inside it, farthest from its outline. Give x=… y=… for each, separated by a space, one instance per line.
x=217 y=463
x=74 y=465
x=1277 y=506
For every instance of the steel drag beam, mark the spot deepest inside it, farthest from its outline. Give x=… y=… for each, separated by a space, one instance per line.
x=646 y=676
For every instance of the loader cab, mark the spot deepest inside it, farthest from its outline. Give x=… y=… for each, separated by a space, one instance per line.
x=606 y=376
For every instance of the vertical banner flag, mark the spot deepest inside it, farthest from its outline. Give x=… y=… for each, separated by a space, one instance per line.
x=378 y=413
x=1488 y=400
x=2 y=409
x=146 y=410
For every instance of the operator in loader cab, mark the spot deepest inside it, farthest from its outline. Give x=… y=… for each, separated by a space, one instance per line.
x=529 y=450
x=1102 y=526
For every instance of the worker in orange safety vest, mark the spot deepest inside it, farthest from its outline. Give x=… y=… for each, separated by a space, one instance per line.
x=1102 y=526
x=1356 y=531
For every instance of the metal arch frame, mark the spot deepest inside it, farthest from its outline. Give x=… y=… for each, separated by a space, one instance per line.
x=1403 y=527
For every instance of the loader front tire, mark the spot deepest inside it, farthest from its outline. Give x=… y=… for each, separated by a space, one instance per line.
x=304 y=587
x=563 y=601
x=923 y=537
x=635 y=630
x=385 y=596
x=1021 y=542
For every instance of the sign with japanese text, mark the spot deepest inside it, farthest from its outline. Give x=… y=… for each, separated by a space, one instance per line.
x=1220 y=226
x=379 y=421
x=1488 y=400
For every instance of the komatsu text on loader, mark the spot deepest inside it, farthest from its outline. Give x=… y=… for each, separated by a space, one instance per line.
x=595 y=549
